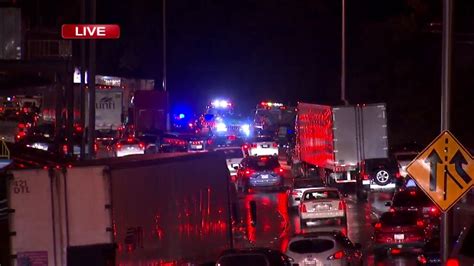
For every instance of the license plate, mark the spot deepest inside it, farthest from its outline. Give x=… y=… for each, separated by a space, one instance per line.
x=321 y=207
x=264 y=176
x=399 y=236
x=196 y=147
x=265 y=146
x=366 y=182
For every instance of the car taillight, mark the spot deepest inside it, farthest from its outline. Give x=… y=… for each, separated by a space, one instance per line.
x=302 y=208
x=337 y=256
x=119 y=146
x=420 y=223
x=342 y=205
x=209 y=141
x=278 y=170
x=254 y=145
x=422 y=259
x=21 y=125
x=275 y=145
x=294 y=193
x=398 y=175
x=395 y=251
x=129 y=140
x=245 y=147
x=378 y=225
x=96 y=147
x=65 y=149
x=141 y=146
x=249 y=172
x=20 y=135
x=434 y=211
x=365 y=176
x=452 y=262
x=391 y=210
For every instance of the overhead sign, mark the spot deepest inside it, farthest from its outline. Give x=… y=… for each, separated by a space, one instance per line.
x=444 y=170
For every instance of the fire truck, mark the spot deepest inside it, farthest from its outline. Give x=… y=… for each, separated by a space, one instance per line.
x=275 y=119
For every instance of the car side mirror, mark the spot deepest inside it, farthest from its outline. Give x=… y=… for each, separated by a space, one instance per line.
x=358 y=245
x=388 y=204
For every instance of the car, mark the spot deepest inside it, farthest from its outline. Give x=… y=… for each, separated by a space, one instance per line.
x=323 y=248
x=253 y=257
x=261 y=146
x=415 y=200
x=129 y=146
x=300 y=185
x=379 y=173
x=399 y=231
x=195 y=143
x=172 y=143
x=403 y=159
x=259 y=172
x=462 y=253
x=431 y=255
x=322 y=203
x=233 y=157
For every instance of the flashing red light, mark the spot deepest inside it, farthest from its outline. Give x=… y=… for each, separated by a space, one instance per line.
x=420 y=223
x=422 y=259
x=141 y=145
x=378 y=225
x=337 y=256
x=395 y=251
x=452 y=262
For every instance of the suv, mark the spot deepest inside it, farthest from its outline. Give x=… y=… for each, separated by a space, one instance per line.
x=259 y=172
x=379 y=173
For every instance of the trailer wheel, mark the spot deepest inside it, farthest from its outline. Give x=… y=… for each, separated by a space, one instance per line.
x=382 y=177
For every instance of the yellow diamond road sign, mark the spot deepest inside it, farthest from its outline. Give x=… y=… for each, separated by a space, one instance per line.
x=444 y=170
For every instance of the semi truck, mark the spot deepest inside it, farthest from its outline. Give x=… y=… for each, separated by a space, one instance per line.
x=147 y=210
x=334 y=140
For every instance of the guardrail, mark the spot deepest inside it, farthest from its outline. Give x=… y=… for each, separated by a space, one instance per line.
x=4 y=151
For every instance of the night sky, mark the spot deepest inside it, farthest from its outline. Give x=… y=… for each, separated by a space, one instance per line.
x=289 y=50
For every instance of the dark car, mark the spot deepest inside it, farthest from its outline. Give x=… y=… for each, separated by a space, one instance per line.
x=172 y=143
x=399 y=231
x=259 y=172
x=380 y=173
x=253 y=257
x=415 y=200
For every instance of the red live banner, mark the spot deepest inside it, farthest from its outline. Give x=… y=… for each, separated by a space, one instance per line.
x=90 y=31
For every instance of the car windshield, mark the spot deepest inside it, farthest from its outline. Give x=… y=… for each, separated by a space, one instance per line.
x=411 y=198
x=467 y=248
x=308 y=182
x=399 y=218
x=232 y=153
x=322 y=194
x=243 y=259
x=264 y=163
x=315 y=245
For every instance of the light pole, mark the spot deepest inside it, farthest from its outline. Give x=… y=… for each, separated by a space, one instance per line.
x=343 y=55
x=165 y=89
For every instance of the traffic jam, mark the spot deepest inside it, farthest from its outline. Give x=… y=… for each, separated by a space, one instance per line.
x=308 y=191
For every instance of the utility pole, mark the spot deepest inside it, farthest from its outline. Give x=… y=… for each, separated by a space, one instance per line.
x=91 y=84
x=446 y=105
x=343 y=55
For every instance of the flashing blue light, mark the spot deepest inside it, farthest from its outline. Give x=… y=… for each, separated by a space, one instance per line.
x=181 y=116
x=246 y=129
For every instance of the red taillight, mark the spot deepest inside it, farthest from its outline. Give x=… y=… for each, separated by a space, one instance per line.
x=420 y=223
x=254 y=145
x=422 y=259
x=96 y=147
x=141 y=146
x=378 y=225
x=434 y=211
x=302 y=208
x=365 y=176
x=119 y=146
x=398 y=175
x=279 y=170
x=209 y=141
x=275 y=145
x=391 y=210
x=65 y=149
x=249 y=172
x=21 y=125
x=413 y=193
x=395 y=251
x=342 y=205
x=337 y=256
x=294 y=193
x=129 y=140
x=452 y=262
x=245 y=147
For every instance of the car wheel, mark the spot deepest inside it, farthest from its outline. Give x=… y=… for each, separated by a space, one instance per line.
x=382 y=177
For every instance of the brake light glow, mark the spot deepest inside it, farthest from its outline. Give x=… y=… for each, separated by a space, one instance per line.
x=398 y=175
x=302 y=208
x=337 y=256
x=141 y=145
x=96 y=147
x=452 y=262
x=119 y=146
x=65 y=149
x=395 y=251
x=391 y=210
x=254 y=145
x=365 y=176
x=245 y=147
x=342 y=205
x=422 y=259
x=249 y=172
x=279 y=170
x=209 y=141
x=413 y=193
x=263 y=158
x=378 y=225
x=129 y=140
x=420 y=223
x=275 y=145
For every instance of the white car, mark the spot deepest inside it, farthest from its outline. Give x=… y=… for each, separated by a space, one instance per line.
x=130 y=146
x=263 y=146
x=403 y=159
x=300 y=185
x=233 y=157
x=323 y=248
x=321 y=203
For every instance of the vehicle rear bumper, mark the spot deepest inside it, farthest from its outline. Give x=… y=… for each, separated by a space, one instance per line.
x=322 y=215
x=408 y=246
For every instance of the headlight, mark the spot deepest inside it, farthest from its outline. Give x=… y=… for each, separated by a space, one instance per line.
x=221 y=127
